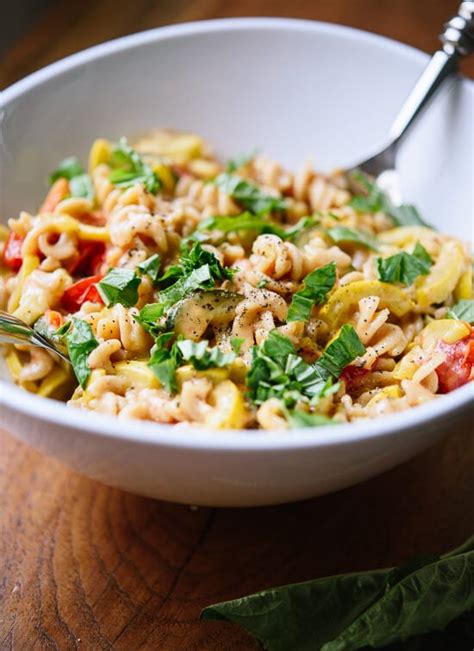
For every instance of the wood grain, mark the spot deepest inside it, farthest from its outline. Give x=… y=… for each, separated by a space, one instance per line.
x=86 y=566
x=83 y=566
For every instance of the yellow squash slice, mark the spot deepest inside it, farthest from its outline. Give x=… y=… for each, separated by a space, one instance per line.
x=443 y=277
x=344 y=301
x=228 y=407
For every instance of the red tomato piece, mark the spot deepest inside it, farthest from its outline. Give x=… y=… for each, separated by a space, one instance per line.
x=82 y=291
x=90 y=259
x=12 y=254
x=458 y=368
x=53 y=318
x=353 y=376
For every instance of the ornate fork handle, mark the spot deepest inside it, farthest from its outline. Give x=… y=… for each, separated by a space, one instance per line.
x=458 y=41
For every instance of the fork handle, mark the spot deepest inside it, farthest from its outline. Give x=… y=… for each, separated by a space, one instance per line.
x=458 y=41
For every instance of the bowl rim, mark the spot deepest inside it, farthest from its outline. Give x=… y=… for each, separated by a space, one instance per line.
x=192 y=437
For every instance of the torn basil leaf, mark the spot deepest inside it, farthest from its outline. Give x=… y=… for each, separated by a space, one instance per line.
x=193 y=259
x=300 y=418
x=464 y=310
x=128 y=168
x=316 y=286
x=356 y=236
x=405 y=267
x=81 y=186
x=340 y=352
x=376 y=200
x=80 y=342
x=248 y=195
x=151 y=267
x=164 y=360
x=68 y=169
x=240 y=161
x=202 y=356
x=119 y=286
x=248 y=222
x=276 y=371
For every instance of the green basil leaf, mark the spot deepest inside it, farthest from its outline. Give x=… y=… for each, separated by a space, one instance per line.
x=302 y=616
x=197 y=279
x=316 y=287
x=119 y=286
x=81 y=186
x=236 y=343
x=151 y=267
x=340 y=352
x=405 y=267
x=249 y=195
x=150 y=316
x=164 y=360
x=240 y=161
x=300 y=418
x=202 y=357
x=464 y=310
x=246 y=221
x=376 y=200
x=128 y=168
x=425 y=600
x=193 y=259
x=365 y=609
x=68 y=169
x=406 y=215
x=80 y=342
x=276 y=371
x=344 y=234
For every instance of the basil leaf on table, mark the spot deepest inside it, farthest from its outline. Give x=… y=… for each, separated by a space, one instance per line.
x=248 y=195
x=353 y=611
x=316 y=286
x=119 y=286
x=80 y=342
x=464 y=310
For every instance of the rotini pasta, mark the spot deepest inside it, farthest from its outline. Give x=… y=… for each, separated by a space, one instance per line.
x=186 y=290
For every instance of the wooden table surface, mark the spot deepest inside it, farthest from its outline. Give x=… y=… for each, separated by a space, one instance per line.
x=86 y=566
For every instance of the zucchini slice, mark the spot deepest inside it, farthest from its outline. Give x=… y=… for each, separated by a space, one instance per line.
x=192 y=315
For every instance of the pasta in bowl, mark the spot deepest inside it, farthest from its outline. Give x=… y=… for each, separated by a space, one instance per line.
x=233 y=295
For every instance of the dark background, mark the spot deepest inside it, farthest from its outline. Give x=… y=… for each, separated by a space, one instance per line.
x=34 y=33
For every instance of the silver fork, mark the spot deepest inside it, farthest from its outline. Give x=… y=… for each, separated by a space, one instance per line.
x=16 y=331
x=458 y=41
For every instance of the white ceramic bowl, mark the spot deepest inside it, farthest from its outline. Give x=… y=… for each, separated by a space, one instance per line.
x=295 y=89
